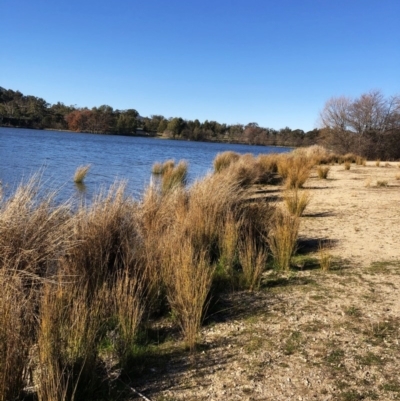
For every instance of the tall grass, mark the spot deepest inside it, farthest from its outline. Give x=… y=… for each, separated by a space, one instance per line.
x=295 y=170
x=224 y=160
x=174 y=177
x=283 y=239
x=296 y=201
x=17 y=306
x=68 y=335
x=187 y=274
x=252 y=259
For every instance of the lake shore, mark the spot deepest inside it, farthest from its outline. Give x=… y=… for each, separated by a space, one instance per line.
x=309 y=334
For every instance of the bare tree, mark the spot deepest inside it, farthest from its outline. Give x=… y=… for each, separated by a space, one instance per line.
x=365 y=125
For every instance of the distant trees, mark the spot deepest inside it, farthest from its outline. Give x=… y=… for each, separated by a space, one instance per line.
x=368 y=125
x=18 y=110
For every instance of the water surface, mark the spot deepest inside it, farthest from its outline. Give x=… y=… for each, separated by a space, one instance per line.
x=56 y=155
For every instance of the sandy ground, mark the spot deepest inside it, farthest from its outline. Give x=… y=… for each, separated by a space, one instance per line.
x=308 y=334
x=361 y=220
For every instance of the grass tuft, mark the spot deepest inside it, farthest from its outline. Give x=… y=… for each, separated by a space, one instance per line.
x=283 y=238
x=80 y=173
x=323 y=172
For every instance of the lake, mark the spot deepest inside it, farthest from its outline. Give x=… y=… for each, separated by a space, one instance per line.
x=56 y=155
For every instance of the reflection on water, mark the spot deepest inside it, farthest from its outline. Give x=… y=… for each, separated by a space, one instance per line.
x=113 y=158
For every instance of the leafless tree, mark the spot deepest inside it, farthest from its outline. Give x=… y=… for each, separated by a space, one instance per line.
x=367 y=125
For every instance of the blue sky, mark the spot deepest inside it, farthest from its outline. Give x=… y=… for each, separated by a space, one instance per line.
x=233 y=61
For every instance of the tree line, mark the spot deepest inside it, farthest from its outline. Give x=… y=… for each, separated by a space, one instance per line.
x=18 y=110
x=368 y=125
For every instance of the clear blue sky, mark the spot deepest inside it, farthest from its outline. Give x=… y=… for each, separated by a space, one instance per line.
x=233 y=61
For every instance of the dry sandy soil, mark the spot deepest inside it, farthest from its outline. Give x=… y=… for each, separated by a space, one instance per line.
x=309 y=334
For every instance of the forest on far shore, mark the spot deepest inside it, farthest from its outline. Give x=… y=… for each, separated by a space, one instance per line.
x=26 y=111
x=368 y=125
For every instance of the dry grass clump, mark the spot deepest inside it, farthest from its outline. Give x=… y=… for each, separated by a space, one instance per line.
x=323 y=172
x=248 y=170
x=17 y=306
x=104 y=236
x=382 y=183
x=347 y=165
x=296 y=201
x=295 y=170
x=378 y=163
x=361 y=161
x=252 y=258
x=224 y=160
x=157 y=168
x=160 y=168
x=174 y=177
x=315 y=153
x=269 y=162
x=350 y=158
x=397 y=177
x=81 y=173
x=325 y=258
x=32 y=230
x=283 y=238
x=187 y=274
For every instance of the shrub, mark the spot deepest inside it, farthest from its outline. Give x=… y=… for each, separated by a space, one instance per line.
x=283 y=238
x=323 y=172
x=81 y=173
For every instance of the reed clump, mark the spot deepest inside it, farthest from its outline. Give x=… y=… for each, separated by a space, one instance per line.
x=81 y=173
x=283 y=238
x=174 y=177
x=296 y=201
x=295 y=170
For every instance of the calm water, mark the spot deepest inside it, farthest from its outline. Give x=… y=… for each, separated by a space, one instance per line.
x=56 y=155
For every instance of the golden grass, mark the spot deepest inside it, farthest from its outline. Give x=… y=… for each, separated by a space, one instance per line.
x=252 y=259
x=80 y=173
x=295 y=170
x=296 y=201
x=378 y=163
x=325 y=258
x=224 y=160
x=174 y=177
x=283 y=238
x=347 y=165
